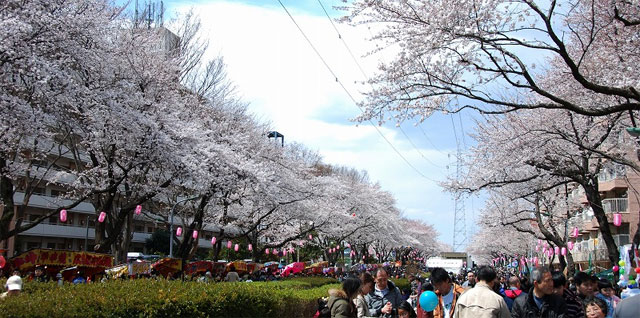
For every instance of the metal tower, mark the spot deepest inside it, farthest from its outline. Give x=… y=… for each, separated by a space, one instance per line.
x=459 y=216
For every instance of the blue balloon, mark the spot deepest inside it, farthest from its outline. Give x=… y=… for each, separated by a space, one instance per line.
x=428 y=300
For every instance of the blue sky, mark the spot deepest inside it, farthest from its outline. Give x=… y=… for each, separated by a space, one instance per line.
x=286 y=84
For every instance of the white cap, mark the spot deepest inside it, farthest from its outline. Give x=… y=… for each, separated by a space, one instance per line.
x=14 y=283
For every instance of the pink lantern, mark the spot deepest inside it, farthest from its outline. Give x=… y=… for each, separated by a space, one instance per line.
x=275 y=251
x=563 y=251
x=301 y=243
x=537 y=248
x=545 y=244
x=291 y=250
x=539 y=241
x=63 y=216
x=570 y=245
x=179 y=231
x=617 y=219
x=236 y=247
x=229 y=243
x=138 y=209
x=266 y=251
x=250 y=247
x=338 y=247
x=195 y=234
x=348 y=245
x=544 y=250
x=575 y=232
x=556 y=250
x=310 y=237
x=284 y=252
x=213 y=241
x=102 y=216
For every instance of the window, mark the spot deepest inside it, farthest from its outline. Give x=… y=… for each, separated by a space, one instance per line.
x=92 y=223
x=54 y=220
x=39 y=191
x=60 y=246
x=150 y=229
x=51 y=245
x=138 y=228
x=57 y=193
x=32 y=245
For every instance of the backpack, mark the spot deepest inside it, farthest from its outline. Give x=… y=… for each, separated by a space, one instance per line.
x=513 y=294
x=323 y=310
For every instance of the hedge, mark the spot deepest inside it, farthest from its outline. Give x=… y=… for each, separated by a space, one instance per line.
x=151 y=298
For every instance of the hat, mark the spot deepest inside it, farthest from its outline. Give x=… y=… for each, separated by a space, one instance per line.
x=14 y=283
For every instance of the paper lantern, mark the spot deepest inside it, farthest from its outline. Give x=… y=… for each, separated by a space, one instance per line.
x=545 y=244
x=301 y=243
x=266 y=251
x=617 y=219
x=63 y=216
x=138 y=209
x=570 y=245
x=284 y=252
x=563 y=251
x=229 y=243
x=179 y=231
x=574 y=233
x=102 y=216
x=275 y=251
x=213 y=241
x=310 y=237
x=291 y=250
x=2 y=261
x=250 y=247
x=194 y=234
x=236 y=247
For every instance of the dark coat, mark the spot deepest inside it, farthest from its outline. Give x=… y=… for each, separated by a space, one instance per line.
x=524 y=306
x=375 y=302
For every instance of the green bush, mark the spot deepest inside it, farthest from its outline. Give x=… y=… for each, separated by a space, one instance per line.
x=150 y=298
x=401 y=283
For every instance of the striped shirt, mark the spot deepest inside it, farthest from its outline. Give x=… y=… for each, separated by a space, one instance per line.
x=575 y=308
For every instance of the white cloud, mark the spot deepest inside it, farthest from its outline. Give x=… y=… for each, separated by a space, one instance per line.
x=286 y=84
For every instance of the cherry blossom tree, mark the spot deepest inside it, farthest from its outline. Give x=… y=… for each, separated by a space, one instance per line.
x=462 y=54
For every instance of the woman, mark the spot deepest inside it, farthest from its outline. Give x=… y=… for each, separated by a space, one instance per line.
x=367 y=283
x=596 y=308
x=341 y=300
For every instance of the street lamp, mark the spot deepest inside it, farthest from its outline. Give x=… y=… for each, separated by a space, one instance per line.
x=171 y=224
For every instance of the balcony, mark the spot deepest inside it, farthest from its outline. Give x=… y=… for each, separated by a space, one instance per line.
x=616 y=205
x=47 y=202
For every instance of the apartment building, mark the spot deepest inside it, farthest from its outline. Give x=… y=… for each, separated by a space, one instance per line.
x=620 y=190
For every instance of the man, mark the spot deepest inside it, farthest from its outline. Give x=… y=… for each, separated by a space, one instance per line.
x=471 y=280
x=628 y=308
x=584 y=286
x=482 y=301
x=39 y=276
x=447 y=293
x=232 y=275
x=573 y=302
x=13 y=286
x=514 y=288
x=385 y=298
x=540 y=302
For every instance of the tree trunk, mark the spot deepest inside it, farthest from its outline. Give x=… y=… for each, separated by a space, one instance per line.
x=595 y=202
x=6 y=193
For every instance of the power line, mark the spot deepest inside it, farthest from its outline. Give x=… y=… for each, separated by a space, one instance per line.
x=355 y=60
x=349 y=94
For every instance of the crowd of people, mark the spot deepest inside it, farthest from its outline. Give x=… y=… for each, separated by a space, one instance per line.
x=485 y=293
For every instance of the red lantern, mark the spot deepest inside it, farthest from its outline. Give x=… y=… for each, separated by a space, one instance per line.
x=637 y=270
x=2 y=261
x=63 y=216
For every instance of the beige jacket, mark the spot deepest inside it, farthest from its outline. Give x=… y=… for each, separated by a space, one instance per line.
x=481 y=302
x=362 y=307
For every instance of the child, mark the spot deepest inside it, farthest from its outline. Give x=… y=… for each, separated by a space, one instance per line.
x=608 y=295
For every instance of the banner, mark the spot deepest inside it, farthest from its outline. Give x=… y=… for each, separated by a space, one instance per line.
x=30 y=259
